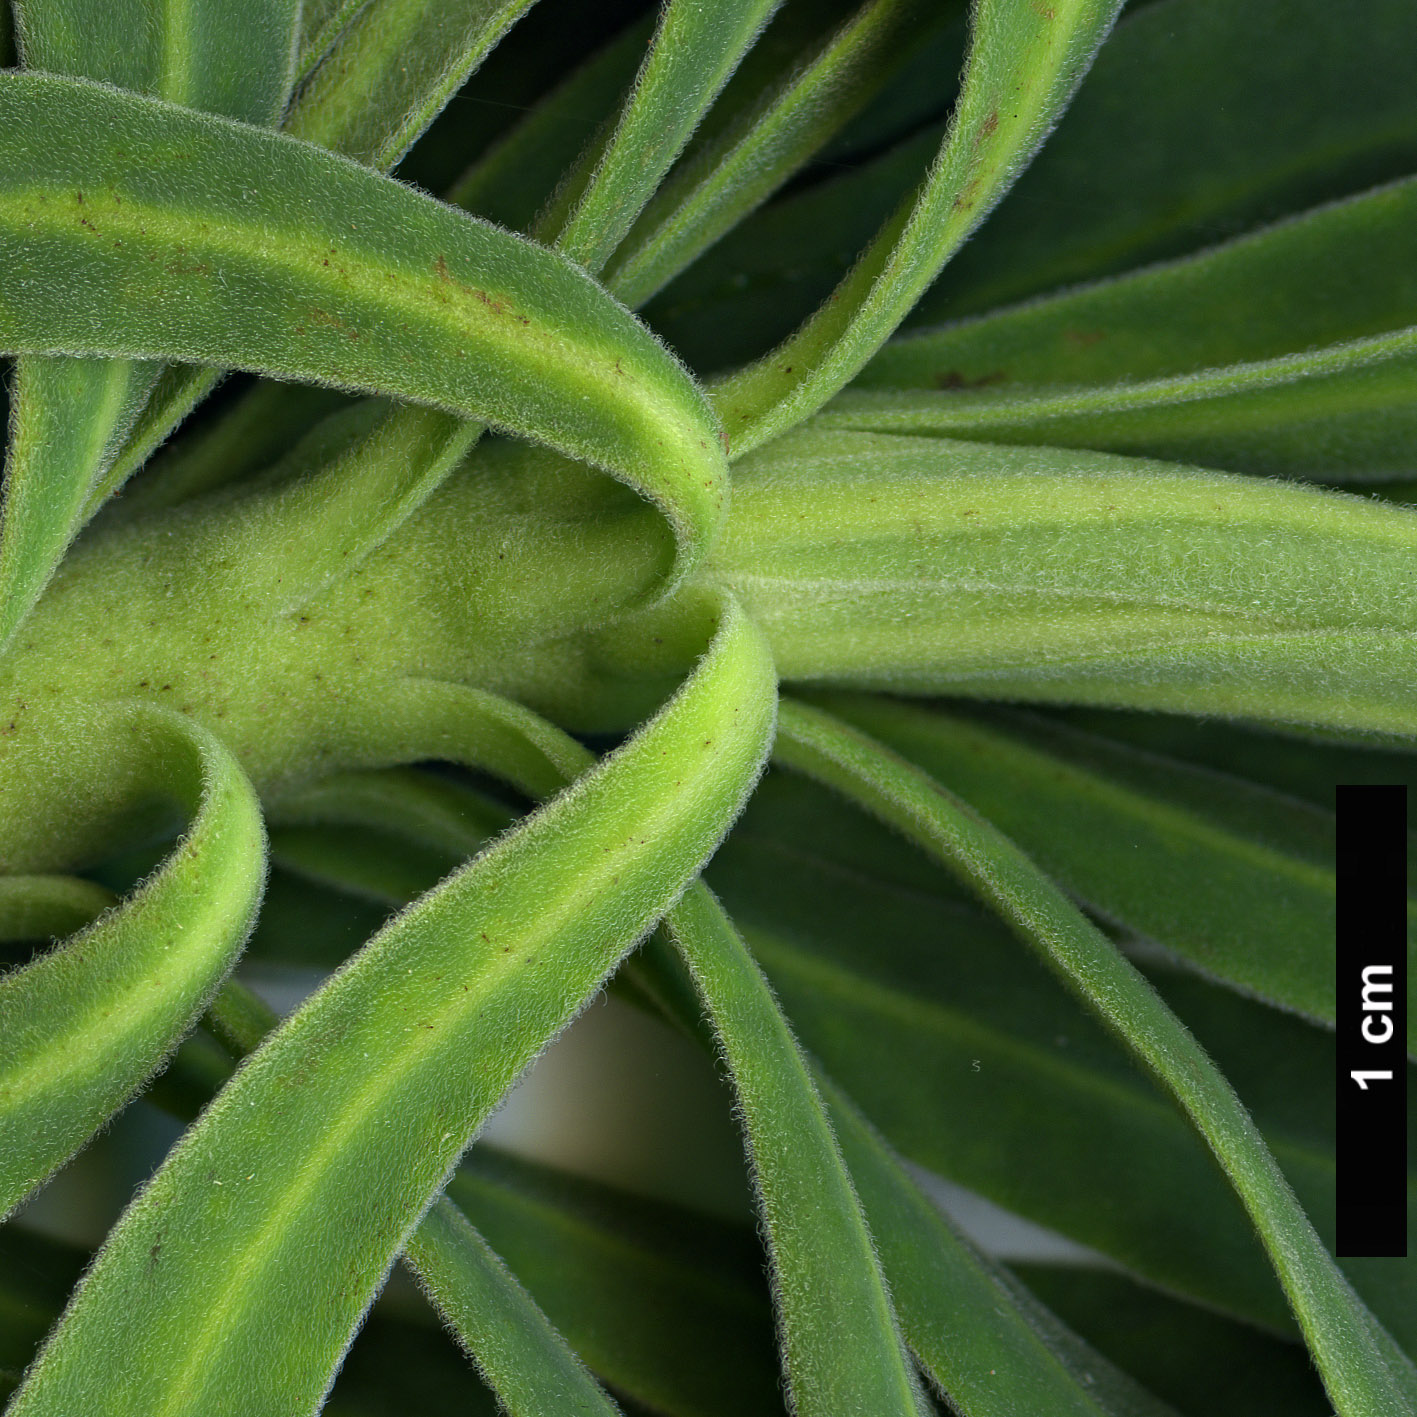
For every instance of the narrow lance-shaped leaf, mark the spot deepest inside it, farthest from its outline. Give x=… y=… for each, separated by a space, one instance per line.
x=525 y=1361
x=988 y=1345
x=718 y=185
x=1034 y=573
x=846 y=1354
x=694 y=50
x=84 y=1025
x=1191 y=360
x=392 y=69
x=1365 y=1372
x=1268 y=294
x=1214 y=146
x=136 y=240
x=1334 y=414
x=976 y=1062
x=385 y=1074
x=1024 y=63
x=1236 y=879
x=961 y=1326
x=511 y=181
x=69 y=418
x=321 y=23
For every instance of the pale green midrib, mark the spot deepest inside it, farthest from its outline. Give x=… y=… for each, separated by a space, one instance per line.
x=270 y=244
x=874 y=585
x=1223 y=381
x=1264 y=640
x=381 y=1083
x=175 y=24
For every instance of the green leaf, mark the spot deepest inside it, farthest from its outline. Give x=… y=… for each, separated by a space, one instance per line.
x=321 y=23
x=180 y=50
x=511 y=181
x=1236 y=879
x=1208 y=1366
x=395 y=64
x=137 y=239
x=1042 y=1355
x=989 y=1346
x=721 y=181
x=1214 y=146
x=83 y=1026
x=1024 y=63
x=1285 y=290
x=390 y=71
x=48 y=907
x=1289 y=350
x=976 y=1063
x=1333 y=415
x=934 y=566
x=250 y=434
x=694 y=50
x=847 y=1355
x=1363 y=1369
x=386 y=1072
x=524 y=1360
x=669 y=1307
x=70 y=418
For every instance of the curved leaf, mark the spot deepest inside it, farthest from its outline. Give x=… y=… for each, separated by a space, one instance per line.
x=511 y=182
x=1285 y=290
x=846 y=1355
x=1214 y=146
x=971 y=1299
x=1333 y=415
x=976 y=1063
x=1237 y=880
x=524 y=1360
x=390 y=71
x=1208 y=1366
x=1363 y=1369
x=989 y=1346
x=720 y=183
x=339 y=1130
x=41 y=907
x=136 y=239
x=84 y=1025
x=694 y=50
x=1024 y=63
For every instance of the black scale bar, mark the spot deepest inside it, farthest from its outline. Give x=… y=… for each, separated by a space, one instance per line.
x=1371 y=955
